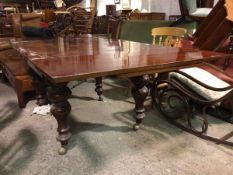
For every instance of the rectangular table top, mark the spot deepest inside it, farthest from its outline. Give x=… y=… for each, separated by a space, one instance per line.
x=67 y=59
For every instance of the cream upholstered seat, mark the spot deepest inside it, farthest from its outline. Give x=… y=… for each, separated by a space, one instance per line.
x=202 y=75
x=201 y=12
x=189 y=10
x=191 y=6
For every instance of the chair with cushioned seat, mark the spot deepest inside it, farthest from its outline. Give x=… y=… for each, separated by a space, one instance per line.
x=190 y=11
x=206 y=87
x=189 y=95
x=198 y=101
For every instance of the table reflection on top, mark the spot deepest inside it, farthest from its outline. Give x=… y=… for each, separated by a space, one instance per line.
x=66 y=59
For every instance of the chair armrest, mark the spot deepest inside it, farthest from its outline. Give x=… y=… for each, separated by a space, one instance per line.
x=189 y=82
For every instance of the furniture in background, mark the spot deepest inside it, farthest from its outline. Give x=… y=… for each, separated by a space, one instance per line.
x=48 y=16
x=6 y=28
x=45 y=4
x=174 y=17
x=147 y=16
x=18 y=6
x=169 y=7
x=207 y=85
x=73 y=21
x=168 y=36
x=10 y=8
x=113 y=24
x=130 y=29
x=125 y=13
x=205 y=3
x=21 y=20
x=100 y=25
x=15 y=71
x=111 y=10
x=218 y=25
x=190 y=93
x=14 y=68
x=190 y=11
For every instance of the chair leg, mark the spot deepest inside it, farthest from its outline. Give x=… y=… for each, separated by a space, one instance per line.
x=185 y=120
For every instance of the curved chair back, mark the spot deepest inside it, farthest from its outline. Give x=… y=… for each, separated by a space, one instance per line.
x=168 y=36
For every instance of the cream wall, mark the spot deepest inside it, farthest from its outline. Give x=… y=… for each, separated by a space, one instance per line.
x=170 y=7
x=101 y=6
x=167 y=6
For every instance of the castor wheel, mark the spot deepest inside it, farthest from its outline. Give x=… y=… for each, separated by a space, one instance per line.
x=136 y=127
x=62 y=150
x=100 y=98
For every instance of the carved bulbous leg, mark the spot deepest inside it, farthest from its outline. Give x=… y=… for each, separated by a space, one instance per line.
x=98 y=88
x=139 y=92
x=58 y=95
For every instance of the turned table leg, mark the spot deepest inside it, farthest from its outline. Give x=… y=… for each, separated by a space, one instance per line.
x=98 y=88
x=58 y=95
x=40 y=89
x=139 y=92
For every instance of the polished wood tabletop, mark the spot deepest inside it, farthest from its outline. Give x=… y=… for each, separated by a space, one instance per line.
x=67 y=59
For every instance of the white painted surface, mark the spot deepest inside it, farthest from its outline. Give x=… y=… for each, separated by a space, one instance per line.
x=169 y=7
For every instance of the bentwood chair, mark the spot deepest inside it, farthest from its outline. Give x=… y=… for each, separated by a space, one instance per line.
x=192 y=93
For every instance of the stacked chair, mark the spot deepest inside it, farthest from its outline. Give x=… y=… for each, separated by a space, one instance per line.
x=73 y=21
x=190 y=11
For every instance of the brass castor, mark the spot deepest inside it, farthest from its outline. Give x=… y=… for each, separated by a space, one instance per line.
x=136 y=127
x=62 y=150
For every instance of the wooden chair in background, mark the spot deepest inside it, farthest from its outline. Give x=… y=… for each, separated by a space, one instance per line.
x=73 y=21
x=168 y=36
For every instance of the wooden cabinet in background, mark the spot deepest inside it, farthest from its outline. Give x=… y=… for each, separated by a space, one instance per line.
x=111 y=10
x=147 y=16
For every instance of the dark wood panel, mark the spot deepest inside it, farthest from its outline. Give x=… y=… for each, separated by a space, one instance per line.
x=147 y=16
x=216 y=28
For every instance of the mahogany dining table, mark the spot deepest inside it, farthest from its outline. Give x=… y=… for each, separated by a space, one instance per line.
x=58 y=61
